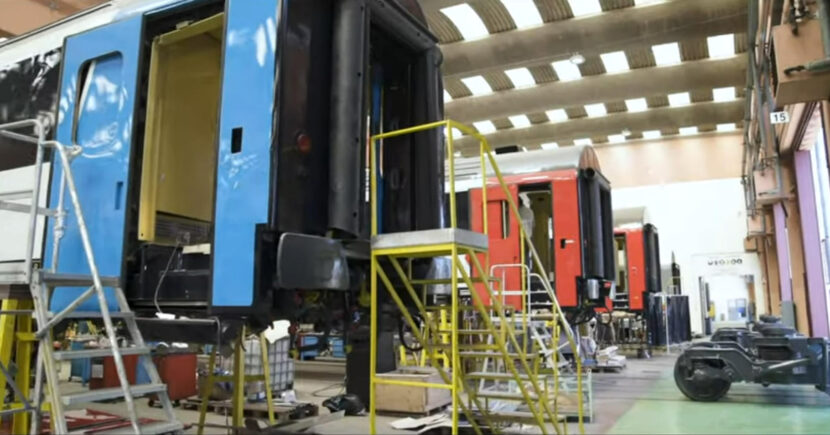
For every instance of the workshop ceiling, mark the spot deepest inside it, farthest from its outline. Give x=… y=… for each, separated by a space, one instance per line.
x=651 y=68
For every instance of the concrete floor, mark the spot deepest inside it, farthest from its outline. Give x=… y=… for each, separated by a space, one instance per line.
x=641 y=399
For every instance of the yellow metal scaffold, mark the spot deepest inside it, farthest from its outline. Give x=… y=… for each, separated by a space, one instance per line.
x=488 y=331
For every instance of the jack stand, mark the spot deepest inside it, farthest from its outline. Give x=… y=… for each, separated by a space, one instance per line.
x=239 y=379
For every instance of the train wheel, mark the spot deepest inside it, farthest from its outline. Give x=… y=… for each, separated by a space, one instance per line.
x=700 y=381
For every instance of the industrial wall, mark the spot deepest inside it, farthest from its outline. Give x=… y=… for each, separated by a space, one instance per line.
x=696 y=220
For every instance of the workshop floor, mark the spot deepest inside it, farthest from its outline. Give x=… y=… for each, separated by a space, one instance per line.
x=642 y=399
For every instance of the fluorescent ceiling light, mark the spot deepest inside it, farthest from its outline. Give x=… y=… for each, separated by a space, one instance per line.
x=595 y=110
x=585 y=7
x=566 y=70
x=666 y=54
x=524 y=13
x=447 y=97
x=727 y=127
x=645 y=2
x=455 y=133
x=721 y=46
x=652 y=134
x=484 y=127
x=616 y=138
x=680 y=99
x=686 y=131
x=466 y=20
x=457 y=154
x=520 y=121
x=583 y=141
x=549 y=146
x=636 y=105
x=723 y=94
x=521 y=77
x=477 y=85
x=615 y=62
x=557 y=115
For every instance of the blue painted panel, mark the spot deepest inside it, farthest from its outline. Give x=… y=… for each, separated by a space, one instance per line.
x=97 y=114
x=243 y=174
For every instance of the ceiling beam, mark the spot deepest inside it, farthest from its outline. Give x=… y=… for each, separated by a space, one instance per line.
x=637 y=83
x=21 y=16
x=653 y=119
x=592 y=35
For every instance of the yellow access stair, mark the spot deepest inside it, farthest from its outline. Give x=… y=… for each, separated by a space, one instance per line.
x=490 y=362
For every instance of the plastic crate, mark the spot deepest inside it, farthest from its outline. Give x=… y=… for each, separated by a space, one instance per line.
x=337 y=348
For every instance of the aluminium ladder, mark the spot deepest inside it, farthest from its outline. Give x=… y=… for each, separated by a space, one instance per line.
x=43 y=282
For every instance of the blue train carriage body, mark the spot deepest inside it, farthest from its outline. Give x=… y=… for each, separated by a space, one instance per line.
x=225 y=149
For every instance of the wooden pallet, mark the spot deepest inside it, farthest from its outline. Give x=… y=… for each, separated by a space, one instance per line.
x=282 y=412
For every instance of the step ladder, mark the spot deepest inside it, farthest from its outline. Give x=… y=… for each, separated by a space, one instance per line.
x=43 y=282
x=482 y=327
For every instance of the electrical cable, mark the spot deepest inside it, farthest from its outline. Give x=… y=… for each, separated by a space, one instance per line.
x=161 y=279
x=341 y=384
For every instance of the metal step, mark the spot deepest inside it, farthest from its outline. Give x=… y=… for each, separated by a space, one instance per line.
x=468 y=331
x=156 y=427
x=504 y=395
x=492 y=354
x=76 y=280
x=112 y=393
x=98 y=353
x=96 y=314
x=520 y=416
x=501 y=376
x=471 y=347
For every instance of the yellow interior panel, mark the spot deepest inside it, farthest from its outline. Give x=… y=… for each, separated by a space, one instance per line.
x=179 y=158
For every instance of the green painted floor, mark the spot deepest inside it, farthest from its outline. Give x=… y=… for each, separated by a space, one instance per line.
x=747 y=409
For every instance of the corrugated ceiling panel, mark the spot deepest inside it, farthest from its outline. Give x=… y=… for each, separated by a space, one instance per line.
x=701 y=95
x=554 y=10
x=456 y=88
x=593 y=66
x=538 y=118
x=705 y=128
x=641 y=57
x=670 y=131
x=694 y=49
x=576 y=112
x=494 y=14
x=740 y=92
x=543 y=73
x=442 y=27
x=610 y=5
x=615 y=106
x=657 y=101
x=502 y=123
x=741 y=43
x=498 y=80
x=599 y=139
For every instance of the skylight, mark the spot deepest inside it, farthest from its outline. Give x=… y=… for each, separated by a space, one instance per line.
x=447 y=97
x=615 y=62
x=466 y=20
x=520 y=121
x=666 y=54
x=477 y=85
x=727 y=127
x=521 y=77
x=549 y=146
x=616 y=138
x=686 y=131
x=583 y=141
x=652 y=134
x=636 y=105
x=585 y=7
x=566 y=70
x=723 y=94
x=524 y=13
x=557 y=115
x=680 y=99
x=721 y=46
x=484 y=127
x=595 y=110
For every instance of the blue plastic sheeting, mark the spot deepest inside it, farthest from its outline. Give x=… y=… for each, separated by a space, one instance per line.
x=96 y=113
x=243 y=172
